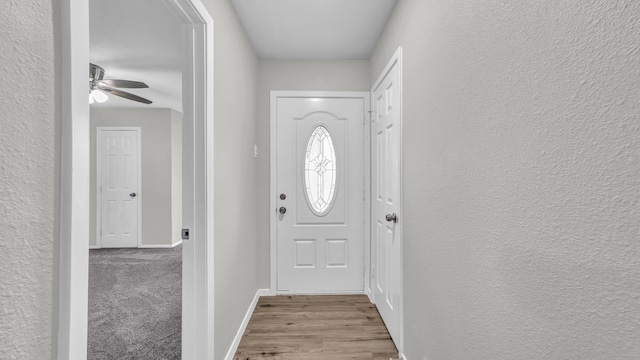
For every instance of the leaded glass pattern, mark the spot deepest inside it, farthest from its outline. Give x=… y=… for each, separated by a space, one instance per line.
x=320 y=170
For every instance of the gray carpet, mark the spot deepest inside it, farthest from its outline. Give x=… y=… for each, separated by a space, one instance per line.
x=135 y=309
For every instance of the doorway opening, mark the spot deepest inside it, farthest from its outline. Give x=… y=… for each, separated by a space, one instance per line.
x=197 y=290
x=301 y=239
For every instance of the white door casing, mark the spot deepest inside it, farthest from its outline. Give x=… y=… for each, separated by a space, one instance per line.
x=197 y=180
x=319 y=240
x=386 y=199
x=118 y=187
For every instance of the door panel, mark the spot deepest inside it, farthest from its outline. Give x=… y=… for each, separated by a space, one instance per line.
x=387 y=234
x=119 y=180
x=319 y=169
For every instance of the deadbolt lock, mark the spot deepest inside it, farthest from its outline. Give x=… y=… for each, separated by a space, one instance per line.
x=391 y=217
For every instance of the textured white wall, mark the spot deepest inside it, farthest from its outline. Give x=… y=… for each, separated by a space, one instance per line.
x=235 y=74
x=28 y=240
x=522 y=177
x=322 y=75
x=157 y=168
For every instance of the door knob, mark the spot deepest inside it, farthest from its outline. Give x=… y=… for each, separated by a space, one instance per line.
x=391 y=217
x=282 y=210
x=132 y=195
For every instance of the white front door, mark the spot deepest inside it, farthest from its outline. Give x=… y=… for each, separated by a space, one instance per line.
x=319 y=192
x=386 y=199
x=118 y=191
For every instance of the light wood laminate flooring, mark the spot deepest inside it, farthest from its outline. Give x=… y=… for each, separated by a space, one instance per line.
x=336 y=327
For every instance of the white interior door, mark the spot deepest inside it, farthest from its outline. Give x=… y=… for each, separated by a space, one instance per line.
x=118 y=191
x=319 y=193
x=386 y=199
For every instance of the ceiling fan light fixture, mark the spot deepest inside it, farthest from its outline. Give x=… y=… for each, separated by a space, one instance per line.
x=99 y=86
x=98 y=96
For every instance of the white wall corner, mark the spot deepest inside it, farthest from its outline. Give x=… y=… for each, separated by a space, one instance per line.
x=243 y=326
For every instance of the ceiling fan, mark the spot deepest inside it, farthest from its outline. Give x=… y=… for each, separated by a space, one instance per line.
x=97 y=84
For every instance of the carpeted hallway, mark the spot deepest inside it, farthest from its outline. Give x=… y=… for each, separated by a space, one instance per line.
x=135 y=307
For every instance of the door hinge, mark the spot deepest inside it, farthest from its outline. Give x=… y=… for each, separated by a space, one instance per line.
x=185 y=234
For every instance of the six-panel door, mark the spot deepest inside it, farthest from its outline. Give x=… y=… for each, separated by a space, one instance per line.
x=118 y=188
x=385 y=183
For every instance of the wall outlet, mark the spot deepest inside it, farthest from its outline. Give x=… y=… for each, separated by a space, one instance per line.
x=255 y=151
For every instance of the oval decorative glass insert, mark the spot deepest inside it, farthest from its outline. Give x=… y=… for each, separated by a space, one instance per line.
x=320 y=170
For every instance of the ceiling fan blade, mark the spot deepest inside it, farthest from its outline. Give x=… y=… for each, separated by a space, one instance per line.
x=124 y=94
x=127 y=84
x=96 y=72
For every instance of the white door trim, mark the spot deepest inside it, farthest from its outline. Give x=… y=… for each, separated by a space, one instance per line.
x=273 y=175
x=396 y=59
x=197 y=329
x=197 y=185
x=99 y=131
x=367 y=201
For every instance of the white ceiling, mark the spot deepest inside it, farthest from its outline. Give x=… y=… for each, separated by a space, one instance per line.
x=141 y=39
x=314 y=29
x=138 y=40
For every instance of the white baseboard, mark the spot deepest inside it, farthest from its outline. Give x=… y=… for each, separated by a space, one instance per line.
x=147 y=246
x=158 y=246
x=402 y=357
x=346 y=292
x=243 y=326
